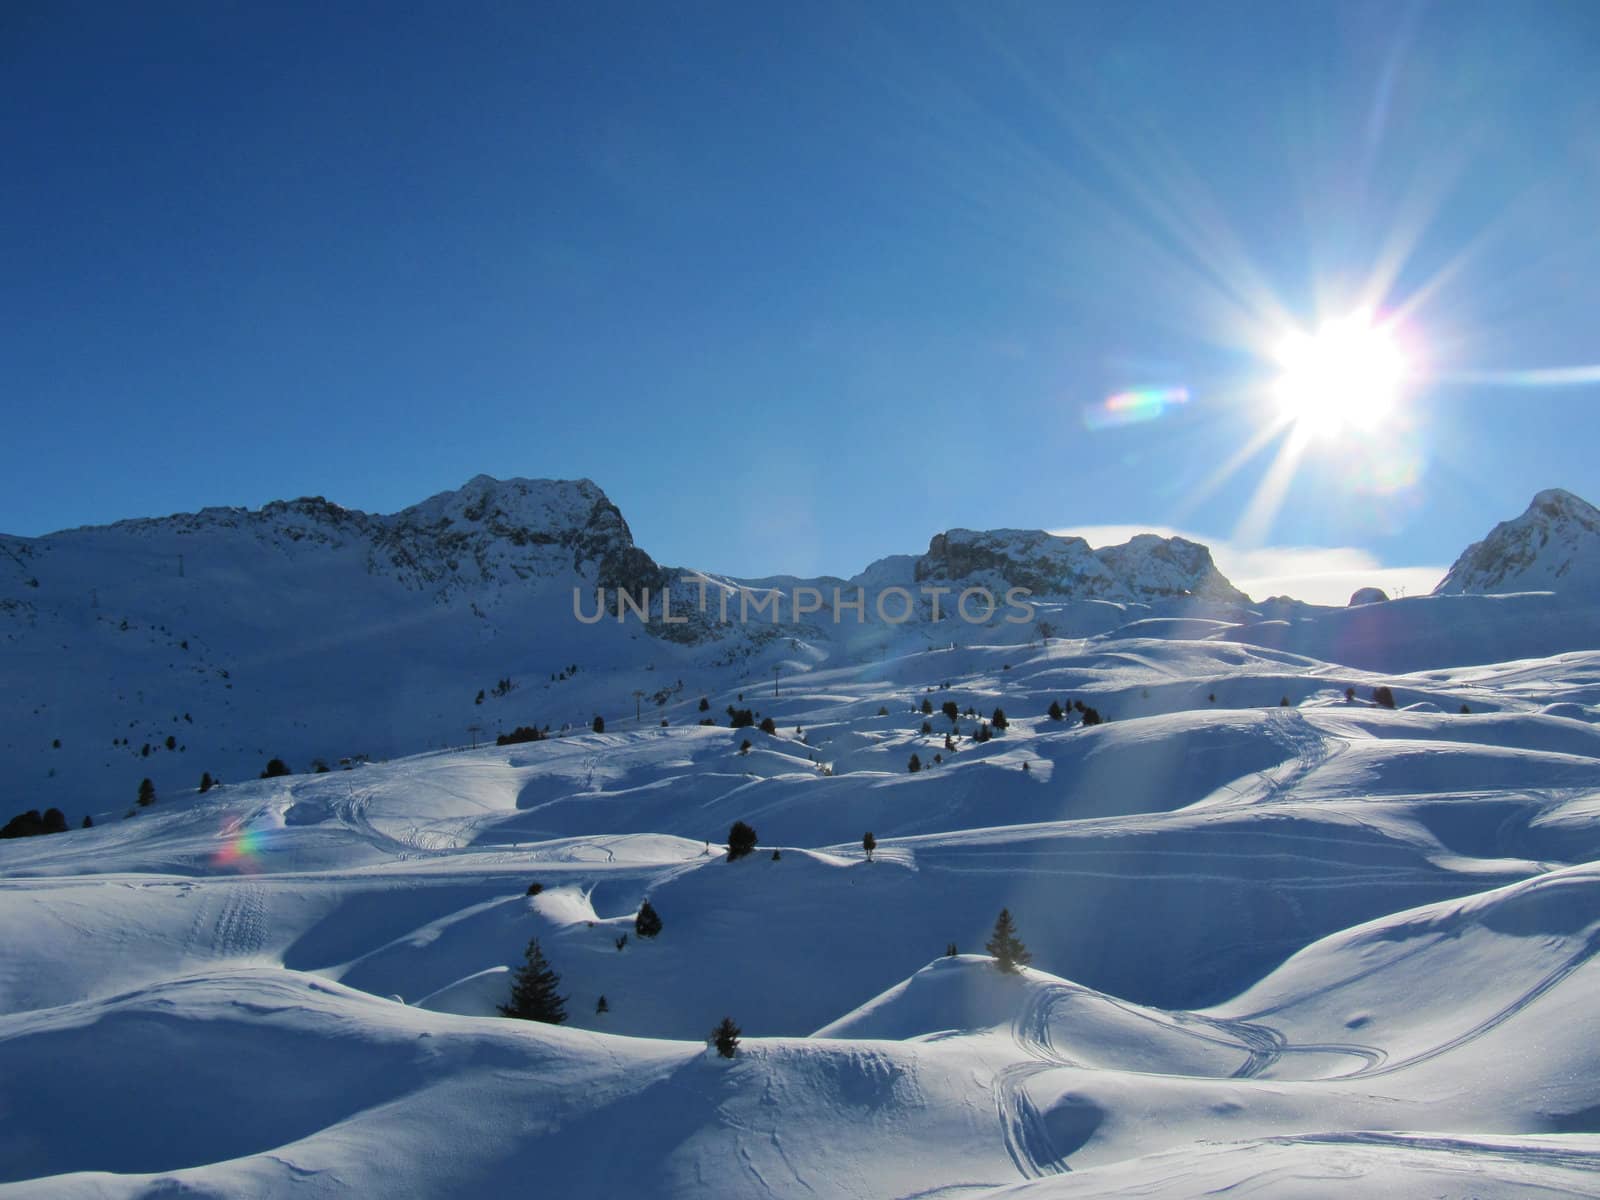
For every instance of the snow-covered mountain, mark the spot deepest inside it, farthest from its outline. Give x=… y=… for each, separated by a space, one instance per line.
x=1285 y=943
x=1554 y=545
x=216 y=640
x=1313 y=911
x=1145 y=568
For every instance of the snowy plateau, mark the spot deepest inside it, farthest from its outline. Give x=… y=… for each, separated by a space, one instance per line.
x=1313 y=910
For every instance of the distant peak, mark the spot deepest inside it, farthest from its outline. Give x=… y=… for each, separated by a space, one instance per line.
x=1559 y=500
x=1553 y=546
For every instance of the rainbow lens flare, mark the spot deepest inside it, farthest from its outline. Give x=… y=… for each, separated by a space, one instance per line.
x=241 y=848
x=1131 y=408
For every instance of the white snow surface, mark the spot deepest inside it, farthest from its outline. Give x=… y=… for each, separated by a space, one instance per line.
x=1285 y=943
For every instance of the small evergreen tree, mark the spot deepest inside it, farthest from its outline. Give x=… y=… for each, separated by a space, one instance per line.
x=147 y=793
x=768 y=725
x=914 y=765
x=744 y=746
x=950 y=709
x=741 y=840
x=950 y=950
x=983 y=734
x=1008 y=950
x=777 y=855
x=599 y=724
x=275 y=768
x=535 y=888
x=1382 y=696
x=206 y=782
x=533 y=990
x=725 y=1037
x=705 y=705
x=927 y=707
x=88 y=822
x=999 y=720
x=601 y=1006
x=648 y=923
x=1055 y=710
x=1091 y=716
x=869 y=844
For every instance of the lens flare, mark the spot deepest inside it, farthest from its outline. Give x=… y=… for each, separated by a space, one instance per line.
x=1131 y=408
x=241 y=848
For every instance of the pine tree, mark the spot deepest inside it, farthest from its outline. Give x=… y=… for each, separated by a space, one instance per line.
x=599 y=725
x=741 y=840
x=1008 y=950
x=869 y=844
x=205 y=782
x=914 y=765
x=999 y=719
x=601 y=1006
x=726 y=1037
x=648 y=923
x=533 y=990
x=704 y=704
x=147 y=793
x=1055 y=710
x=927 y=706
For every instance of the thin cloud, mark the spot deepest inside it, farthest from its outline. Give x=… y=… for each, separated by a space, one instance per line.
x=1316 y=574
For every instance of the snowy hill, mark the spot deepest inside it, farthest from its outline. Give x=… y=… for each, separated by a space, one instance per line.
x=1554 y=545
x=1286 y=940
x=215 y=641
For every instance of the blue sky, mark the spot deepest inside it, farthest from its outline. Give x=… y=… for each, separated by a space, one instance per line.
x=798 y=285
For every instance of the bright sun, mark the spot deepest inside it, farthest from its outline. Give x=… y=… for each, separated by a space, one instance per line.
x=1347 y=375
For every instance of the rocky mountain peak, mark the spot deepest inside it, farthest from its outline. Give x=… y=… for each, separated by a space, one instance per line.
x=1553 y=546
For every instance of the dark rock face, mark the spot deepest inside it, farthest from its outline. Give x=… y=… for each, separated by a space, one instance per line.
x=1145 y=568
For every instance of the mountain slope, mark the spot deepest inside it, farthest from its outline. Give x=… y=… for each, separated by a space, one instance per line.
x=1554 y=546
